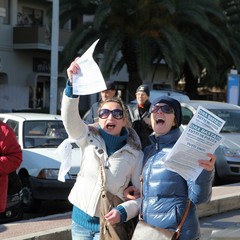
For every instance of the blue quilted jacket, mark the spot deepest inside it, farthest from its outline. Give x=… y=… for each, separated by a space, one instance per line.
x=165 y=193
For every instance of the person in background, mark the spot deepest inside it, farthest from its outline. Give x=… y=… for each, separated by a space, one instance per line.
x=10 y=160
x=91 y=116
x=110 y=142
x=165 y=193
x=139 y=114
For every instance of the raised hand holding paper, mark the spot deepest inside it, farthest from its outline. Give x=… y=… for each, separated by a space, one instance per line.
x=89 y=79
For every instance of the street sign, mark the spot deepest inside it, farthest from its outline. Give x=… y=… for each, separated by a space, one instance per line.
x=233 y=89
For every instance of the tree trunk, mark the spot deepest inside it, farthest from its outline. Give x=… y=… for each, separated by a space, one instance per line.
x=191 y=86
x=134 y=79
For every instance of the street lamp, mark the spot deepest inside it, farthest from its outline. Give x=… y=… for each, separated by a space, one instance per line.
x=54 y=57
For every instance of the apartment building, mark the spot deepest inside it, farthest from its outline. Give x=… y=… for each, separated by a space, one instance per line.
x=25 y=55
x=25 y=58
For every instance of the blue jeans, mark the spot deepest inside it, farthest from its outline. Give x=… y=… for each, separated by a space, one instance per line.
x=81 y=233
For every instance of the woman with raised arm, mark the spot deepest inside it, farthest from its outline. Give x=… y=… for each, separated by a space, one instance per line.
x=109 y=143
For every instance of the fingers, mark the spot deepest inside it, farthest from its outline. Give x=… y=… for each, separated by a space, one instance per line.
x=208 y=164
x=212 y=157
x=113 y=217
x=135 y=194
x=131 y=197
x=127 y=191
x=131 y=193
x=73 y=69
x=109 y=215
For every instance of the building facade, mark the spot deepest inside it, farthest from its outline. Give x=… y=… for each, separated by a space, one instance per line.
x=25 y=55
x=25 y=58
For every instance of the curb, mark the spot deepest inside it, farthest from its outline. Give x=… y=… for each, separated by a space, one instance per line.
x=226 y=234
x=224 y=198
x=56 y=226
x=62 y=233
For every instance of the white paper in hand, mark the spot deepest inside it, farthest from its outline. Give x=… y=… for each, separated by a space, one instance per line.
x=201 y=136
x=89 y=79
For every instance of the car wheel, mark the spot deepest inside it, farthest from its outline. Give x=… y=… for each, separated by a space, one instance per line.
x=29 y=203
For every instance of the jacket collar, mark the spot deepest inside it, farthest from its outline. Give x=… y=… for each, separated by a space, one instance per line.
x=133 y=140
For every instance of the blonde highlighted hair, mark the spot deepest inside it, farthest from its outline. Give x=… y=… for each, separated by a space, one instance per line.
x=122 y=105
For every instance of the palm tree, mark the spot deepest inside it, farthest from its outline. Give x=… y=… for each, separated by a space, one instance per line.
x=226 y=60
x=190 y=36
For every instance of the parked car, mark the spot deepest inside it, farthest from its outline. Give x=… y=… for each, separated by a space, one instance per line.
x=14 y=209
x=227 y=167
x=39 y=135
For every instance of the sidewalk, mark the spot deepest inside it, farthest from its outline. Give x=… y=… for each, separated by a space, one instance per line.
x=224 y=198
x=52 y=227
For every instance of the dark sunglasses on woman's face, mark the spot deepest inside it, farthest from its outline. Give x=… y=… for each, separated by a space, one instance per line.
x=165 y=109
x=116 y=113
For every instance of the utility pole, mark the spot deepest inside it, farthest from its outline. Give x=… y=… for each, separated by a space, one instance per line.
x=54 y=57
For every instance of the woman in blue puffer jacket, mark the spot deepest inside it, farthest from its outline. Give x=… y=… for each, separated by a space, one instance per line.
x=165 y=193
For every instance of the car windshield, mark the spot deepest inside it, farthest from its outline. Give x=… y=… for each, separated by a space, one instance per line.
x=44 y=133
x=231 y=117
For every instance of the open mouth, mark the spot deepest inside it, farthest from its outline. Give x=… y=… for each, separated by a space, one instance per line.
x=110 y=126
x=160 y=121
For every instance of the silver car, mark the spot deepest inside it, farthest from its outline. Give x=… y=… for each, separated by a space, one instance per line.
x=228 y=153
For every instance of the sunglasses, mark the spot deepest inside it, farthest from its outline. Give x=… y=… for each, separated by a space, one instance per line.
x=165 y=109
x=116 y=113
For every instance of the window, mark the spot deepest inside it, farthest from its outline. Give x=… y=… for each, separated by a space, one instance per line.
x=14 y=125
x=6 y=9
x=30 y=17
x=186 y=115
x=232 y=119
x=44 y=133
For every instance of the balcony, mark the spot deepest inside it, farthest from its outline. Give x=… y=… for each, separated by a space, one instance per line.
x=36 y=37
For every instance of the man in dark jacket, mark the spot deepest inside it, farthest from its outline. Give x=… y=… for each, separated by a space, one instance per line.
x=139 y=114
x=91 y=116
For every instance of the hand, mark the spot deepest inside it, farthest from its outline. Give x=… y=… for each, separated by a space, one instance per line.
x=73 y=69
x=113 y=217
x=131 y=193
x=147 y=120
x=208 y=164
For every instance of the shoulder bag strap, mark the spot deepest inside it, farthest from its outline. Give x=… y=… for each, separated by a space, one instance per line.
x=102 y=175
x=178 y=231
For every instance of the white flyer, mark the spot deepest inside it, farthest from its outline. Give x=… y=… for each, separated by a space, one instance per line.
x=200 y=137
x=89 y=78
